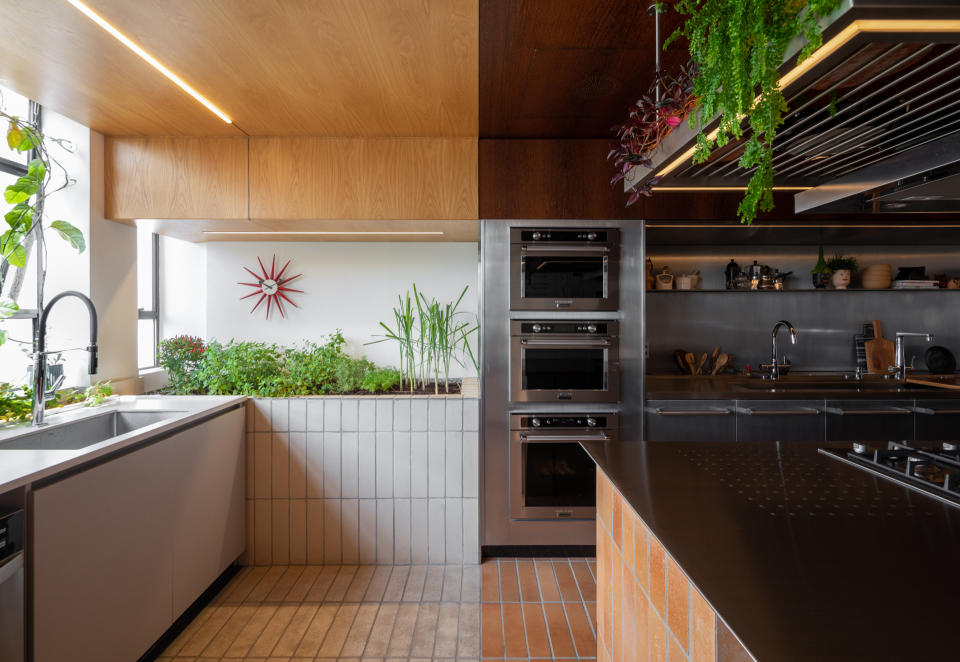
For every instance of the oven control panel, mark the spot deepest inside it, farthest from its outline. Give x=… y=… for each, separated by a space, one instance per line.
x=567 y=328
x=599 y=421
x=547 y=234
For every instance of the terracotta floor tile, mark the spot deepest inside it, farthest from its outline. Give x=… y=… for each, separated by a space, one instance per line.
x=358 y=587
x=425 y=632
x=642 y=627
x=379 y=638
x=299 y=590
x=585 y=582
x=490 y=589
x=641 y=566
x=658 y=636
x=560 y=638
x=230 y=631
x=468 y=638
x=566 y=581
x=403 y=628
x=242 y=643
x=514 y=636
x=509 y=581
x=242 y=583
x=628 y=621
x=359 y=631
x=291 y=637
x=616 y=578
x=378 y=584
x=205 y=634
x=658 y=577
x=583 y=637
x=454 y=579
x=678 y=604
x=415 y=581
x=317 y=631
x=675 y=654
x=187 y=633
x=266 y=584
x=627 y=537
x=321 y=585
x=615 y=518
x=398 y=579
x=271 y=634
x=529 y=590
x=491 y=630
x=549 y=590
x=337 y=634
x=704 y=630
x=592 y=613
x=286 y=582
x=537 y=639
x=433 y=586
x=341 y=583
x=448 y=622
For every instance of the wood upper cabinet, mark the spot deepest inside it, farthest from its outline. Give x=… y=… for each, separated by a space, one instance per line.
x=175 y=177
x=363 y=178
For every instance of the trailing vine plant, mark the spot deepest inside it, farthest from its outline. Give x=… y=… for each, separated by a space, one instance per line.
x=738 y=46
x=24 y=228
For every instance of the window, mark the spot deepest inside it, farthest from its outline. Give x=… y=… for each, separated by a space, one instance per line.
x=148 y=298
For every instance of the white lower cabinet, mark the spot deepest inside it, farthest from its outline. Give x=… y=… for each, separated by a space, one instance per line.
x=120 y=550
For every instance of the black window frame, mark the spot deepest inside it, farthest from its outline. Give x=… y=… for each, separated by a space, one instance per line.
x=153 y=312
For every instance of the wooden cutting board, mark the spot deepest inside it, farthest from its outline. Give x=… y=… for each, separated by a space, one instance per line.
x=951 y=382
x=879 y=351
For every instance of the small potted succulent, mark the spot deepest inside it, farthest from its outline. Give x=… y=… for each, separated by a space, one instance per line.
x=820 y=272
x=842 y=269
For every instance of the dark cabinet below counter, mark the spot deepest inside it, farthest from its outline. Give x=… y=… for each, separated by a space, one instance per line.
x=802 y=420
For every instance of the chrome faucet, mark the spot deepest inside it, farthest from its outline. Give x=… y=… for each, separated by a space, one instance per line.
x=40 y=392
x=774 y=361
x=899 y=366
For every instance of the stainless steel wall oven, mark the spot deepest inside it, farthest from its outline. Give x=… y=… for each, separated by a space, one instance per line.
x=564 y=269
x=564 y=361
x=551 y=476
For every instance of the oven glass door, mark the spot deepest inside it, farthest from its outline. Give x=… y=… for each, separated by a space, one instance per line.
x=579 y=368
x=563 y=276
x=552 y=479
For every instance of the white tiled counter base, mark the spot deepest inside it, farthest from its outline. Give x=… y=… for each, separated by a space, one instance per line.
x=375 y=479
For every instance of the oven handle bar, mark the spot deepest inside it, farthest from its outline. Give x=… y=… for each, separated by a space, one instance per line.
x=601 y=436
x=548 y=249
x=568 y=342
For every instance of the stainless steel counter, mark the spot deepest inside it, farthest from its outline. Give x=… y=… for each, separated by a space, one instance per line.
x=804 y=558
x=802 y=386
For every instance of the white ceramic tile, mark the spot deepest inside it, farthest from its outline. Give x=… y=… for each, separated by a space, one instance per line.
x=248 y=553
x=350 y=530
x=454 y=419
x=281 y=531
x=315 y=531
x=471 y=464
x=249 y=415
x=454 y=530
x=331 y=414
x=419 y=464
x=332 y=553
x=384 y=465
x=298 y=465
x=437 y=414
x=251 y=468
x=261 y=460
x=419 y=531
x=314 y=465
x=314 y=414
x=454 y=463
x=471 y=414
x=367 y=415
x=298 y=415
x=401 y=531
x=279 y=414
x=349 y=414
x=436 y=473
x=367 y=468
x=384 y=414
x=471 y=531
x=263 y=534
x=437 y=536
x=298 y=531
x=261 y=415
x=367 y=539
x=349 y=465
x=401 y=464
x=418 y=414
x=384 y=531
x=280 y=465
x=331 y=465
x=401 y=414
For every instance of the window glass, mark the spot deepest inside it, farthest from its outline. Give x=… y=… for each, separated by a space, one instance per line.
x=19 y=106
x=145 y=269
x=147 y=324
x=14 y=354
x=146 y=343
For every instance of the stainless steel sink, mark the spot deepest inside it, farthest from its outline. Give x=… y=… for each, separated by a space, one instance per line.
x=85 y=432
x=831 y=385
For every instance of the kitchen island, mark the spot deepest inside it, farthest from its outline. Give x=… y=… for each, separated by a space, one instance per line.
x=767 y=551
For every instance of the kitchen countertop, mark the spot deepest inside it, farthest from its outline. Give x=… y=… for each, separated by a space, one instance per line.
x=803 y=557
x=822 y=386
x=20 y=467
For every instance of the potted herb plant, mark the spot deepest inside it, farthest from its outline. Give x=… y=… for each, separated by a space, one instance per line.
x=842 y=269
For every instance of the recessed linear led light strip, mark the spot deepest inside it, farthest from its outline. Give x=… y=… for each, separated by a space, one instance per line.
x=845 y=35
x=152 y=61
x=326 y=232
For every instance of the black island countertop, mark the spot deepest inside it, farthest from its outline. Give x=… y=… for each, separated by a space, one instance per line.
x=803 y=557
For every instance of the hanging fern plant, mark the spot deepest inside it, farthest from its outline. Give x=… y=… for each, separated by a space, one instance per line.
x=738 y=46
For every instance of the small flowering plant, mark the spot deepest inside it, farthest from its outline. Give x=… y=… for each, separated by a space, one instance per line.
x=180 y=356
x=648 y=123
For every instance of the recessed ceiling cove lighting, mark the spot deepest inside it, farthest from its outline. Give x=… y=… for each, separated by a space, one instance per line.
x=324 y=232
x=152 y=61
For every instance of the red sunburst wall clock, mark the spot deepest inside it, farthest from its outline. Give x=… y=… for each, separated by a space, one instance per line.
x=271 y=286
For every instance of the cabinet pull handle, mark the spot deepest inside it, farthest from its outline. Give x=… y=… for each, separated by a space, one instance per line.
x=693 y=412
x=892 y=411
x=782 y=412
x=933 y=412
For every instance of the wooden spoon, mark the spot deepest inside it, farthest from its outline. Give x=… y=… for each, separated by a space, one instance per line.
x=721 y=363
x=691 y=362
x=713 y=357
x=702 y=362
x=678 y=355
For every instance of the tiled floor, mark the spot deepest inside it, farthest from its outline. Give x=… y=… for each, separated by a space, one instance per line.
x=526 y=609
x=306 y=613
x=539 y=609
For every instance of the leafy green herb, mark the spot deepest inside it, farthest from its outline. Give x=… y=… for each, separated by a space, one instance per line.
x=839 y=261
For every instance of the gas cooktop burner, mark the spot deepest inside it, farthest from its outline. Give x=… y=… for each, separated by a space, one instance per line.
x=933 y=469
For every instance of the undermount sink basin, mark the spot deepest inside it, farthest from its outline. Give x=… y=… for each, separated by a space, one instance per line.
x=829 y=385
x=85 y=432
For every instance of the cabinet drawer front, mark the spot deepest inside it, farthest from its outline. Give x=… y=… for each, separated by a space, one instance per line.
x=685 y=420
x=869 y=421
x=780 y=420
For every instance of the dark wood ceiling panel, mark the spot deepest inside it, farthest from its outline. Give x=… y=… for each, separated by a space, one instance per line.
x=565 y=68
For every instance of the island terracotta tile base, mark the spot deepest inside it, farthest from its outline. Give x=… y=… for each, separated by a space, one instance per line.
x=308 y=613
x=647 y=609
x=538 y=609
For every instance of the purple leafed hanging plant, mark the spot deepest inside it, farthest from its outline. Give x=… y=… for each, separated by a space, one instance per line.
x=648 y=123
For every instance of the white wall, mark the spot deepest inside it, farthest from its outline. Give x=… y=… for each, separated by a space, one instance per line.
x=350 y=286
x=183 y=288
